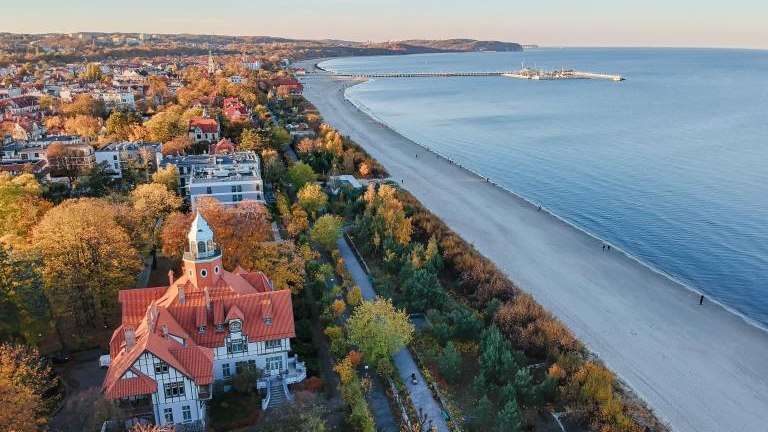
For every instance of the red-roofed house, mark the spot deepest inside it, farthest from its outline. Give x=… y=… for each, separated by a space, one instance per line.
x=224 y=146
x=287 y=85
x=175 y=342
x=203 y=129
x=235 y=110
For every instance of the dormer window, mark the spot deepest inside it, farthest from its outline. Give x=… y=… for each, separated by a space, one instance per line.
x=201 y=329
x=268 y=321
x=235 y=326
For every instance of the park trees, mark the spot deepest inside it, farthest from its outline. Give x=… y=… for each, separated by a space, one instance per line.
x=87 y=257
x=167 y=176
x=21 y=206
x=449 y=362
x=380 y=330
x=300 y=174
x=274 y=168
x=167 y=124
x=22 y=303
x=178 y=145
x=252 y=139
x=25 y=389
x=312 y=198
x=83 y=125
x=83 y=104
x=150 y=202
x=119 y=125
x=282 y=262
x=327 y=230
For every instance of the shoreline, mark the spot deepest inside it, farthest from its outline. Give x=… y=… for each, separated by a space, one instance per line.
x=698 y=367
x=533 y=204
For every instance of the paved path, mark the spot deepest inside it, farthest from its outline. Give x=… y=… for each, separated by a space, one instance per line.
x=702 y=368
x=420 y=394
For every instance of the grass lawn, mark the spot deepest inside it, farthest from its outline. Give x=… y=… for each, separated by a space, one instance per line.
x=232 y=410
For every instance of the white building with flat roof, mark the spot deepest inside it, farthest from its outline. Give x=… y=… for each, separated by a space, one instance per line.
x=230 y=178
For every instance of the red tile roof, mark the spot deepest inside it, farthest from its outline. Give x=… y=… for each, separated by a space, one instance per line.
x=160 y=317
x=140 y=385
x=207 y=125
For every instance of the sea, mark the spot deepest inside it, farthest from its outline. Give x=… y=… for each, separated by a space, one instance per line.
x=670 y=165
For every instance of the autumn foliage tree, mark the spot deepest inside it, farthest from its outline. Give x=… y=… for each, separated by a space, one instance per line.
x=21 y=207
x=87 y=257
x=26 y=386
x=238 y=229
x=326 y=231
x=312 y=198
x=150 y=202
x=380 y=330
x=167 y=176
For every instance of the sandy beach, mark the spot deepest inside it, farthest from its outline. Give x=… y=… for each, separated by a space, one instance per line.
x=701 y=368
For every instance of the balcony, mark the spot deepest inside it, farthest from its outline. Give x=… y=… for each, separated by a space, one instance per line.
x=296 y=371
x=141 y=408
x=194 y=255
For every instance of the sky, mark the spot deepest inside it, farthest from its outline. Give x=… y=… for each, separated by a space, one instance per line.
x=647 y=23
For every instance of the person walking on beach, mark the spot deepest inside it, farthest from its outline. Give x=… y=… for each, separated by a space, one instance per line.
x=603 y=248
x=701 y=300
x=609 y=248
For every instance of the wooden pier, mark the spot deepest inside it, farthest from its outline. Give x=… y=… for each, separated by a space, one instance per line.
x=526 y=73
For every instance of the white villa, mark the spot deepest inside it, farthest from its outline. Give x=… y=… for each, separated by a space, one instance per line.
x=178 y=344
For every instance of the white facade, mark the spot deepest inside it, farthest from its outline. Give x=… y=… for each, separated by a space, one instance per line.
x=177 y=399
x=116 y=99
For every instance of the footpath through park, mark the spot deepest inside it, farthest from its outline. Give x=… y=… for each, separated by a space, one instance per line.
x=404 y=363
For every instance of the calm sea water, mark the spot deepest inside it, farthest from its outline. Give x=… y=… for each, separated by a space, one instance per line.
x=670 y=165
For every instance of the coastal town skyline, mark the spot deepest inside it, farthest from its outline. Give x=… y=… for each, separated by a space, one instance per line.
x=559 y=23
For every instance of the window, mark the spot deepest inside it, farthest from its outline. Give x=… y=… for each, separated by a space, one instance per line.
x=225 y=370
x=208 y=190
x=274 y=363
x=114 y=157
x=203 y=272
x=186 y=413
x=236 y=346
x=243 y=366
x=276 y=343
x=161 y=367
x=174 y=389
x=216 y=269
x=168 y=412
x=200 y=247
x=234 y=188
x=235 y=326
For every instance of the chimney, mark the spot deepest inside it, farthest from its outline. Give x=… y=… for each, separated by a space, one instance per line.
x=130 y=338
x=165 y=330
x=207 y=298
x=182 y=295
x=170 y=277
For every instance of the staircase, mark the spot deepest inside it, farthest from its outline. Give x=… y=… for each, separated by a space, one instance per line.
x=276 y=393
